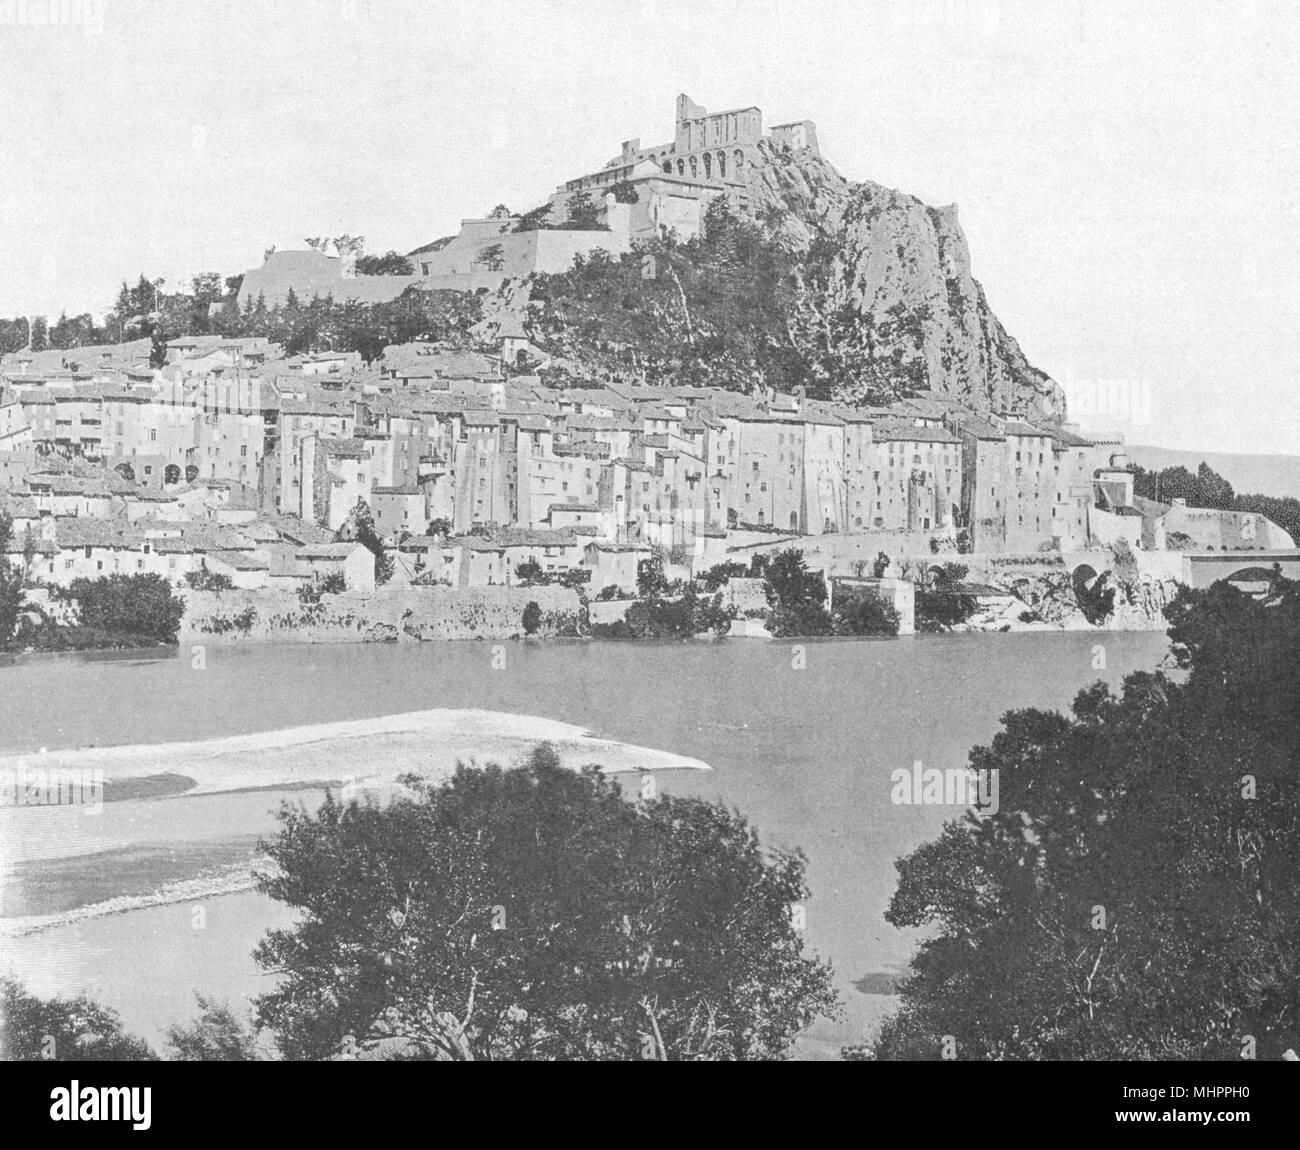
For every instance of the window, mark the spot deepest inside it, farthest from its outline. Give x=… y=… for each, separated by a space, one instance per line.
x=153 y=434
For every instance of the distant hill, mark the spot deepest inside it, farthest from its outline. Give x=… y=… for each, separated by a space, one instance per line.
x=1249 y=474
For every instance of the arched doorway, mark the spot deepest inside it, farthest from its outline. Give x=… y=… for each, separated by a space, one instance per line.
x=171 y=475
x=126 y=471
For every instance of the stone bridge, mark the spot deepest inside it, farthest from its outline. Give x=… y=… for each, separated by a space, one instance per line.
x=1248 y=569
x=1241 y=567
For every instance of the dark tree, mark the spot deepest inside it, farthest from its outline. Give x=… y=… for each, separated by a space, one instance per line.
x=133 y=605
x=62 y=1030
x=391 y=263
x=216 y=1035
x=1134 y=896
x=11 y=583
x=535 y=914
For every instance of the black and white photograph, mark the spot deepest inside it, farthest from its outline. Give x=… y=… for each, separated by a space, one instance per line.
x=649 y=531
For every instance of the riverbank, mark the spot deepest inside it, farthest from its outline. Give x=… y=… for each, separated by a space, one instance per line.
x=1015 y=599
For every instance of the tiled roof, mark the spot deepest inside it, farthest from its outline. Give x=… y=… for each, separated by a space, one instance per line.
x=900 y=430
x=326 y=550
x=534 y=537
x=240 y=560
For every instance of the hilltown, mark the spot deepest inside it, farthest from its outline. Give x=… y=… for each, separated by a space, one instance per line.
x=236 y=459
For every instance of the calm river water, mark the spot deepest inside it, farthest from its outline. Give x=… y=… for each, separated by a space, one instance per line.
x=805 y=753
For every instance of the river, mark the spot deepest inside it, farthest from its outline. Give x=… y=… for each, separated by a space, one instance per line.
x=801 y=742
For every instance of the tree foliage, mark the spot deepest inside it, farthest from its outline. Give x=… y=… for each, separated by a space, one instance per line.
x=141 y=606
x=216 y=1035
x=737 y=307
x=1136 y=894
x=1207 y=488
x=534 y=913
x=62 y=1030
x=11 y=583
x=941 y=601
x=391 y=263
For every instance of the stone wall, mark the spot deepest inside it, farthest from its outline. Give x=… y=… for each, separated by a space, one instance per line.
x=406 y=614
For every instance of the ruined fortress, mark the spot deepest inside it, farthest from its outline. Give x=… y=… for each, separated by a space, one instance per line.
x=640 y=193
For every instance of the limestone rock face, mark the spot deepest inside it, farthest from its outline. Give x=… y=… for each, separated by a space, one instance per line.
x=900 y=270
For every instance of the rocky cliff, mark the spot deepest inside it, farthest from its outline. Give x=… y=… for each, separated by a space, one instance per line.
x=886 y=272
x=854 y=290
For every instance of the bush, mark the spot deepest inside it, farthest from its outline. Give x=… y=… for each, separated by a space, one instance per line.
x=865 y=615
x=136 y=605
x=683 y=618
x=532 y=617
x=333 y=583
x=205 y=580
x=718 y=575
x=941 y=604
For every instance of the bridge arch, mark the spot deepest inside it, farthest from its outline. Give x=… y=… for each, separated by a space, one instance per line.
x=1251 y=580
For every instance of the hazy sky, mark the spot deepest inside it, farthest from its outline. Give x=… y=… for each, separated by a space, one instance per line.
x=1126 y=173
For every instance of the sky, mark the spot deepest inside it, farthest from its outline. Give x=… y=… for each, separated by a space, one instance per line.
x=1126 y=173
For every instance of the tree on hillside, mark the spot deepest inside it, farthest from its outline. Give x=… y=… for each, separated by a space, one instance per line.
x=72 y=331
x=1134 y=896
x=391 y=263
x=13 y=334
x=205 y=290
x=583 y=214
x=535 y=219
x=713 y=312
x=535 y=914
